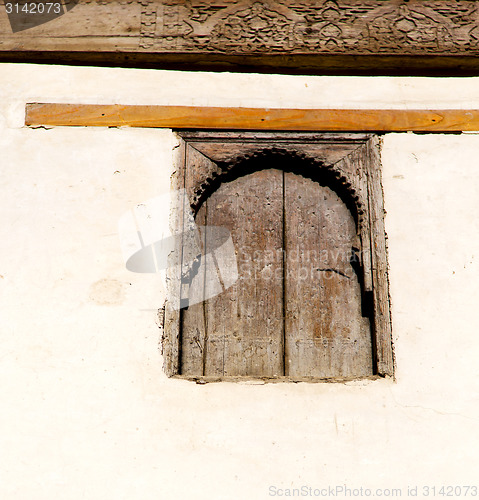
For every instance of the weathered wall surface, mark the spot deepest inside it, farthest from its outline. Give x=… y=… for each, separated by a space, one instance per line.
x=86 y=410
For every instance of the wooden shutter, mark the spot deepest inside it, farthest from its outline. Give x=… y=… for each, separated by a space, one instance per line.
x=325 y=332
x=305 y=215
x=242 y=328
x=296 y=308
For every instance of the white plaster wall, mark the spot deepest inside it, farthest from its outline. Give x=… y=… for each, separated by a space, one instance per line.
x=87 y=412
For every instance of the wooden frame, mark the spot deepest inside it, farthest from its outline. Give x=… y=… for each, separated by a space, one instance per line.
x=351 y=159
x=189 y=117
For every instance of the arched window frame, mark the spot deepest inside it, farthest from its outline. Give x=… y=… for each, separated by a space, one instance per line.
x=350 y=160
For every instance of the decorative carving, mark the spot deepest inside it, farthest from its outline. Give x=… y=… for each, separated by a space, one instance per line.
x=409 y=28
x=282 y=34
x=344 y=27
x=252 y=29
x=344 y=183
x=148 y=23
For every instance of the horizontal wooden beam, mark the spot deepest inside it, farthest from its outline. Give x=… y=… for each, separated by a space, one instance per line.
x=190 y=117
x=344 y=37
x=292 y=64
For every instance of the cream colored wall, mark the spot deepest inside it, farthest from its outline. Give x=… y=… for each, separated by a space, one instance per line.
x=87 y=412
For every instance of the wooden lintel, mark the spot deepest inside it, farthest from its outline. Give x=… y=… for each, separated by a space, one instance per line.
x=190 y=117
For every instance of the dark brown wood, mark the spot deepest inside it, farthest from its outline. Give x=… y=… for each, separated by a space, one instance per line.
x=339 y=307
x=293 y=64
x=192 y=117
x=435 y=37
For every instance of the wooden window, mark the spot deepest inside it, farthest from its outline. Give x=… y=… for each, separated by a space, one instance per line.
x=305 y=214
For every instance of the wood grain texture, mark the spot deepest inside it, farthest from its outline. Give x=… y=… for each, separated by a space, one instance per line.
x=350 y=162
x=193 y=321
x=189 y=117
x=326 y=334
x=241 y=331
x=249 y=314
x=382 y=313
x=242 y=327
x=170 y=341
x=305 y=36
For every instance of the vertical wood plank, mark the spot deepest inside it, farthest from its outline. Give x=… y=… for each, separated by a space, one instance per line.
x=382 y=317
x=326 y=335
x=194 y=271
x=245 y=325
x=171 y=344
x=193 y=317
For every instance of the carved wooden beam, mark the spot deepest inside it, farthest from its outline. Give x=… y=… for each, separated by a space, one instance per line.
x=186 y=117
x=295 y=36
